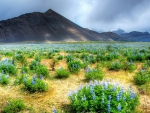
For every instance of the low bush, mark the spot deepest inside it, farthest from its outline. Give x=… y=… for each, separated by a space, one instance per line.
x=4 y=79
x=14 y=106
x=115 y=66
x=60 y=57
x=130 y=66
x=34 y=64
x=25 y=70
x=141 y=77
x=8 y=67
x=38 y=58
x=20 y=79
x=75 y=66
x=20 y=58
x=103 y=97
x=69 y=58
x=62 y=73
x=42 y=70
x=35 y=85
x=93 y=74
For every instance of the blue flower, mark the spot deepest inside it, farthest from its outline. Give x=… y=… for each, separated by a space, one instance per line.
x=84 y=98
x=109 y=97
x=54 y=111
x=94 y=96
x=108 y=107
x=33 y=81
x=119 y=107
x=118 y=97
x=103 y=97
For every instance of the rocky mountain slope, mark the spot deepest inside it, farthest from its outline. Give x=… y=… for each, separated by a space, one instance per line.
x=48 y=26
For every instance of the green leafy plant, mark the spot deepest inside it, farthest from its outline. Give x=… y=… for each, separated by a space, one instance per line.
x=103 y=97
x=20 y=58
x=38 y=58
x=130 y=66
x=14 y=106
x=74 y=66
x=42 y=71
x=60 y=57
x=35 y=84
x=34 y=64
x=62 y=73
x=4 y=79
x=69 y=58
x=8 y=67
x=93 y=74
x=141 y=77
x=115 y=66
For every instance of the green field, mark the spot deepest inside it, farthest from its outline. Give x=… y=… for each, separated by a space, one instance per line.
x=106 y=77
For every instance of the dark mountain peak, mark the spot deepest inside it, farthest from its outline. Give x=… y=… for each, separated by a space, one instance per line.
x=50 y=11
x=118 y=31
x=48 y=26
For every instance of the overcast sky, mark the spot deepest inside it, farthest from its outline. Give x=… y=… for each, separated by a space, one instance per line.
x=106 y=15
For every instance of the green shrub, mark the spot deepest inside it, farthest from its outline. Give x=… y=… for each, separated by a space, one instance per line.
x=20 y=58
x=4 y=79
x=93 y=74
x=25 y=70
x=74 y=66
x=19 y=80
x=14 y=106
x=34 y=64
x=69 y=58
x=60 y=57
x=8 y=67
x=35 y=85
x=141 y=77
x=38 y=58
x=130 y=66
x=62 y=73
x=115 y=66
x=103 y=97
x=42 y=70
x=100 y=57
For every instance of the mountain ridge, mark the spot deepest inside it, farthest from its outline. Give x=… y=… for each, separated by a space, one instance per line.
x=48 y=26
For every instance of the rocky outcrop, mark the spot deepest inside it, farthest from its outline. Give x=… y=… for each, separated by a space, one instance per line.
x=48 y=26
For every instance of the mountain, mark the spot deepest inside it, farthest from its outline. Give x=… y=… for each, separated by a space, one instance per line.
x=118 y=31
x=48 y=26
x=136 y=36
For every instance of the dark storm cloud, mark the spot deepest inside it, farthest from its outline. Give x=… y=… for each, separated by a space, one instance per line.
x=93 y=14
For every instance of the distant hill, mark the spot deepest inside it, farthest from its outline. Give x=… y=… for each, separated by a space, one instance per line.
x=136 y=36
x=48 y=26
x=118 y=31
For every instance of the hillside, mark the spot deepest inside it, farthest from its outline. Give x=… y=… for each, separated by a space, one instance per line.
x=48 y=26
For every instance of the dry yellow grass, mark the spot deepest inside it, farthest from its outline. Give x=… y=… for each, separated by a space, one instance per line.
x=57 y=95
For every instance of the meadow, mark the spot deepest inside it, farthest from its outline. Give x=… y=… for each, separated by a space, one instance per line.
x=97 y=77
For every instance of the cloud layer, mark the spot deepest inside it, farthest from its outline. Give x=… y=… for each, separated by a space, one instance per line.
x=93 y=14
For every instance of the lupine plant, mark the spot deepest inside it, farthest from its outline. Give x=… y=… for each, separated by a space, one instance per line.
x=62 y=73
x=75 y=66
x=4 y=79
x=14 y=106
x=93 y=74
x=103 y=97
x=115 y=66
x=35 y=84
x=141 y=77
x=130 y=66
x=8 y=67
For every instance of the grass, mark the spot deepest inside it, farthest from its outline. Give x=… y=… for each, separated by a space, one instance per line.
x=57 y=94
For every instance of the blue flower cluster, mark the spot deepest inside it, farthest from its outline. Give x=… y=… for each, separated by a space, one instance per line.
x=111 y=95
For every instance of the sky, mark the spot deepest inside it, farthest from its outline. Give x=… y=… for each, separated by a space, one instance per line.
x=100 y=15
